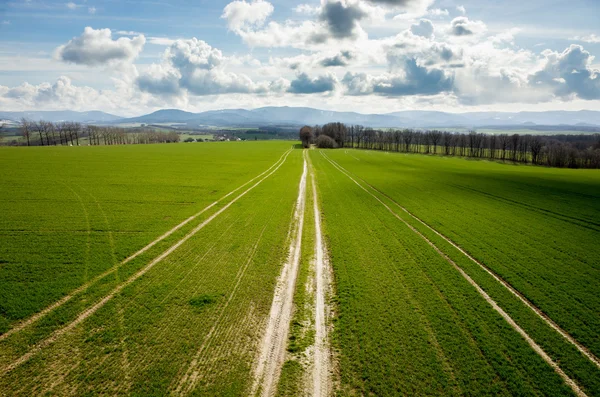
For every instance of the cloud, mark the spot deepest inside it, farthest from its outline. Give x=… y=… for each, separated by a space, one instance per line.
x=340 y=59
x=592 y=38
x=5 y=22
x=128 y=33
x=463 y=26
x=410 y=9
x=96 y=47
x=415 y=80
x=165 y=41
x=307 y=9
x=193 y=66
x=241 y=14
x=61 y=94
x=438 y=12
x=461 y=9
x=342 y=19
x=71 y=6
x=569 y=73
x=92 y=10
x=303 y=84
x=423 y=28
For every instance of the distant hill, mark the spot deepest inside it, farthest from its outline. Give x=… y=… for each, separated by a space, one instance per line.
x=93 y=116
x=297 y=116
x=285 y=115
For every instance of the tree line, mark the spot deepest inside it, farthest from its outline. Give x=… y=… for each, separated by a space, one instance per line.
x=573 y=151
x=46 y=133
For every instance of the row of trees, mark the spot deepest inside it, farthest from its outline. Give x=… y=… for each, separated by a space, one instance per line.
x=46 y=133
x=574 y=151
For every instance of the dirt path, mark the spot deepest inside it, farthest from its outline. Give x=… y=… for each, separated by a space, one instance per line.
x=321 y=374
x=88 y=312
x=488 y=299
x=44 y=312
x=273 y=346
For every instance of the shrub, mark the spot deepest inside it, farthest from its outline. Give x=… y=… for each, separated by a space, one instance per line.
x=325 y=142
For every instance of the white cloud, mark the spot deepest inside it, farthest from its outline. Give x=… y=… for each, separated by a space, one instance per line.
x=241 y=14
x=423 y=28
x=461 y=9
x=413 y=9
x=592 y=38
x=194 y=67
x=6 y=22
x=307 y=9
x=165 y=41
x=463 y=26
x=71 y=6
x=438 y=12
x=92 y=10
x=96 y=47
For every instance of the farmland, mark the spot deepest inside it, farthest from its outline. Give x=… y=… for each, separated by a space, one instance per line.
x=250 y=268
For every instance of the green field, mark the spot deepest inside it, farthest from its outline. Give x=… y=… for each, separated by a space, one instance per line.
x=240 y=268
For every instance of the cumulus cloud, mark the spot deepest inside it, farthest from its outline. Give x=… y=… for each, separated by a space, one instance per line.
x=569 y=73
x=415 y=80
x=96 y=47
x=463 y=26
x=303 y=84
x=61 y=93
x=242 y=14
x=423 y=28
x=340 y=59
x=196 y=67
x=461 y=9
x=342 y=19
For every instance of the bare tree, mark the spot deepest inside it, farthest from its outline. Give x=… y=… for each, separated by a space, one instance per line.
x=435 y=137
x=535 y=145
x=26 y=127
x=407 y=137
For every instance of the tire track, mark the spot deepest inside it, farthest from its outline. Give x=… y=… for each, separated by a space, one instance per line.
x=322 y=382
x=187 y=383
x=273 y=346
x=90 y=311
x=487 y=298
x=44 y=312
x=551 y=323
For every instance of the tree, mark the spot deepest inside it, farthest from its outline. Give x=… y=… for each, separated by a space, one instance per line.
x=535 y=145
x=434 y=138
x=407 y=137
x=26 y=127
x=325 y=142
x=306 y=136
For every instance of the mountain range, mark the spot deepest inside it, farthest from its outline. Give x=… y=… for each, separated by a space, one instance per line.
x=295 y=116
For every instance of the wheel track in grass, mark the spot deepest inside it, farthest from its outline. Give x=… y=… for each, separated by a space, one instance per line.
x=194 y=372
x=273 y=346
x=99 y=304
x=189 y=380
x=574 y=387
x=47 y=310
x=582 y=349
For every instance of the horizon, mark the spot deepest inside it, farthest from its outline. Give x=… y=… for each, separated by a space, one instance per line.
x=335 y=55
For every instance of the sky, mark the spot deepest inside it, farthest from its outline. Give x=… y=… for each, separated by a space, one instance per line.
x=131 y=57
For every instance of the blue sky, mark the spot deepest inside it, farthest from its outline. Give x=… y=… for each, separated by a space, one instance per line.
x=132 y=57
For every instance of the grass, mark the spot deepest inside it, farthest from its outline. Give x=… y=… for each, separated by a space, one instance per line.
x=540 y=228
x=146 y=339
x=406 y=321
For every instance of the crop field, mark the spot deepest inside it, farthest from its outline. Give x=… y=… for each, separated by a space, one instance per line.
x=259 y=268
